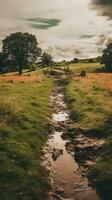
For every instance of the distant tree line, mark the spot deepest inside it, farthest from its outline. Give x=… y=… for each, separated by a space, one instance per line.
x=107 y=57
x=21 y=51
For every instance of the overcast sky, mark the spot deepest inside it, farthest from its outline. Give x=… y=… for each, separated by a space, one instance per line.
x=64 y=28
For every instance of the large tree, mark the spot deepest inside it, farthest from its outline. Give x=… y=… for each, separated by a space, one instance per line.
x=1 y=59
x=21 y=49
x=75 y=60
x=46 y=60
x=4 y=63
x=107 y=57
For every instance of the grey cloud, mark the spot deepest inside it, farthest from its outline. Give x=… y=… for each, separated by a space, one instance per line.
x=10 y=9
x=103 y=2
x=87 y=36
x=78 y=52
x=64 y=52
x=102 y=42
x=102 y=39
x=104 y=7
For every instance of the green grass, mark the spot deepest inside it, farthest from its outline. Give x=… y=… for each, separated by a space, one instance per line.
x=101 y=173
x=90 y=108
x=78 y=67
x=25 y=72
x=88 y=67
x=24 y=113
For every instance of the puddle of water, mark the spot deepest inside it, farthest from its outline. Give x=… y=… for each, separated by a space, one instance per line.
x=65 y=171
x=60 y=116
x=63 y=168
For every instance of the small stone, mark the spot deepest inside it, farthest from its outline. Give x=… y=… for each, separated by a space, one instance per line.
x=60 y=190
x=51 y=194
x=63 y=182
x=58 y=197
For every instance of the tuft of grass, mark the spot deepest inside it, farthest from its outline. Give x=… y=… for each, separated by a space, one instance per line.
x=24 y=113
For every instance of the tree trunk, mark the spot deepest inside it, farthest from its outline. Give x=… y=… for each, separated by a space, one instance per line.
x=110 y=68
x=20 y=70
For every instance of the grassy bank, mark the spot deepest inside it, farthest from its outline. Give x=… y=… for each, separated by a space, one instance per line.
x=88 y=67
x=100 y=174
x=89 y=100
x=90 y=103
x=24 y=112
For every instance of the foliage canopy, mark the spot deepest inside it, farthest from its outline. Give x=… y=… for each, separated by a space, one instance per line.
x=107 y=57
x=46 y=59
x=21 y=49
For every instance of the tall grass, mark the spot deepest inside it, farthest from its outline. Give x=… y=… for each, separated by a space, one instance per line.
x=90 y=105
x=24 y=113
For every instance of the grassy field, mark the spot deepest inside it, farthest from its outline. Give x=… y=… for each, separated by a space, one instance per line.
x=24 y=113
x=88 y=67
x=77 y=68
x=90 y=103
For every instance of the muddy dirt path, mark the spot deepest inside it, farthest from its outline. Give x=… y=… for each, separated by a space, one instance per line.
x=67 y=179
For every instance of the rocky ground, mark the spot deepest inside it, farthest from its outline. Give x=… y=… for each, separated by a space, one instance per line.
x=68 y=154
x=85 y=149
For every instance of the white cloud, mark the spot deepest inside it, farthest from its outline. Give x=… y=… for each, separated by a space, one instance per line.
x=79 y=29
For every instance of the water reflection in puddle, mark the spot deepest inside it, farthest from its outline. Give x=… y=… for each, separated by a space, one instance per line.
x=60 y=116
x=65 y=172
